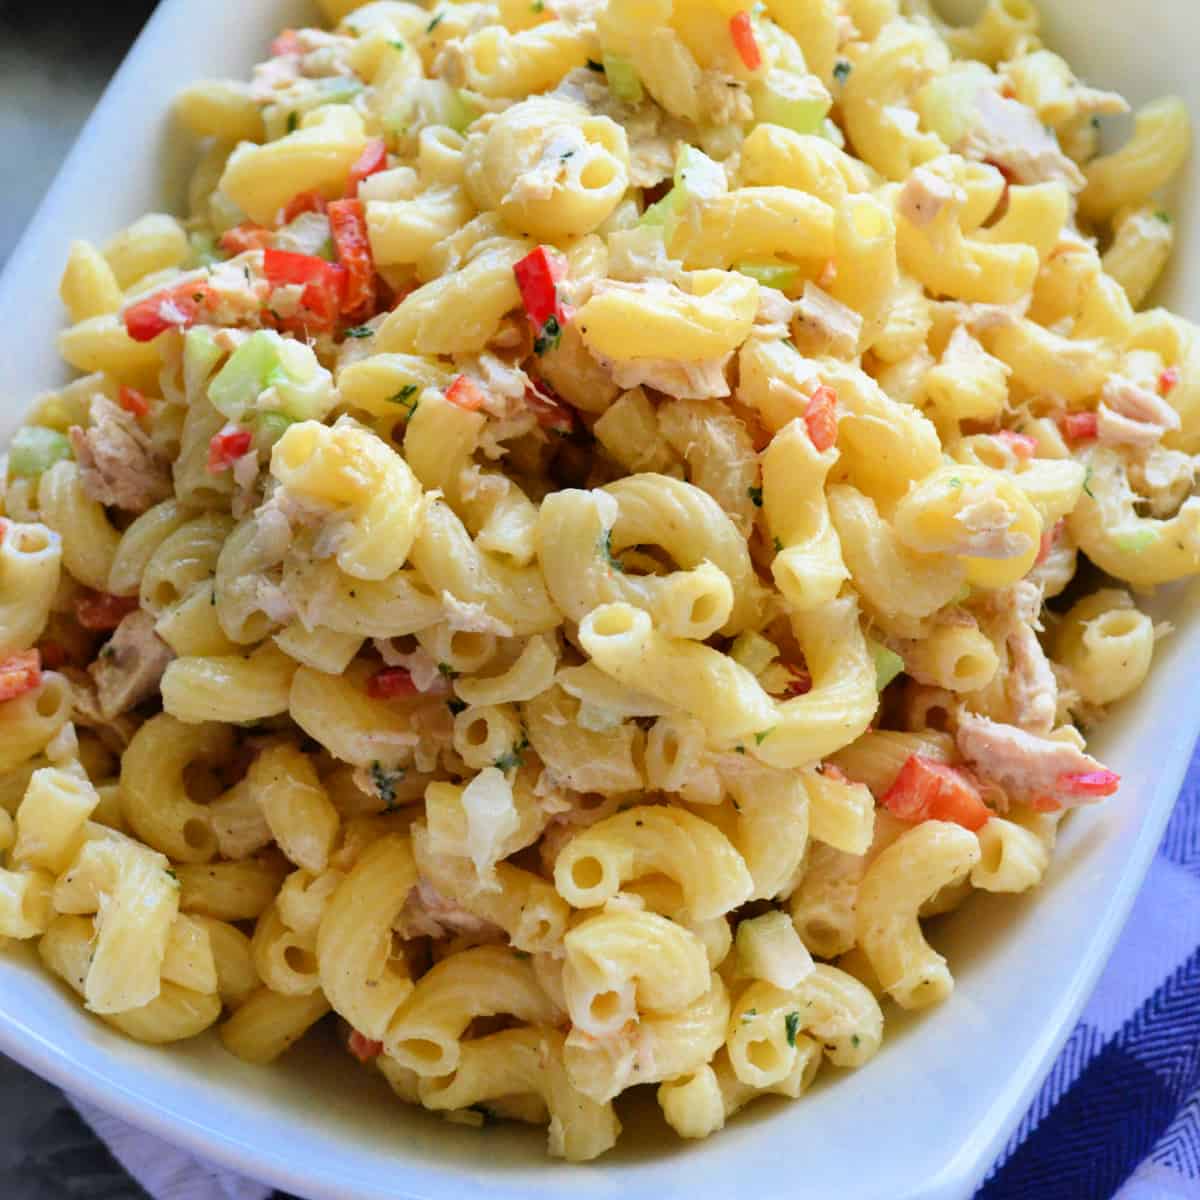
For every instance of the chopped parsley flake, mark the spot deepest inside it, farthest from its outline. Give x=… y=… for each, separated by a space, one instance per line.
x=1163 y=216
x=447 y=671
x=172 y=874
x=538 y=6
x=395 y=43
x=778 y=545
x=855 y=1039
x=456 y=705
x=593 y=65
x=384 y=782
x=435 y=22
x=955 y=482
x=549 y=338
x=1087 y=479
x=791 y=1025
x=740 y=749
x=514 y=758
x=755 y=494
x=750 y=1014
x=759 y=738
x=841 y=71
x=293 y=122
x=406 y=396
x=360 y=331
x=604 y=548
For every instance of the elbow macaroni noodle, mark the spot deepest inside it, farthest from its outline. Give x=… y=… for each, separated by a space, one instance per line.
x=568 y=478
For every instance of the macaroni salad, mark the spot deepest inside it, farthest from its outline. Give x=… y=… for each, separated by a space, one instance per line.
x=603 y=517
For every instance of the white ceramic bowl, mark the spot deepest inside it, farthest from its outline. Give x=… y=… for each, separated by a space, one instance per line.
x=926 y=1118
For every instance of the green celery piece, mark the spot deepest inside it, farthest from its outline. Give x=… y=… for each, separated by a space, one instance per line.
x=304 y=387
x=697 y=177
x=269 y=427
x=796 y=102
x=1137 y=541
x=35 y=449
x=623 y=80
x=204 y=250
x=338 y=90
x=237 y=385
x=774 y=275
x=888 y=664
x=460 y=111
x=200 y=355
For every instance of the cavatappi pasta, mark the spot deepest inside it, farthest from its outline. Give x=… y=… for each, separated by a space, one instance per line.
x=598 y=521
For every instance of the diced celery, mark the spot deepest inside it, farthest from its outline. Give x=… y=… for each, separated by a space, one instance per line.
x=797 y=102
x=1137 y=541
x=339 y=89
x=200 y=355
x=35 y=449
x=775 y=275
x=698 y=176
x=269 y=427
x=753 y=651
x=770 y=949
x=888 y=664
x=461 y=111
x=623 y=80
x=238 y=384
x=304 y=387
x=204 y=250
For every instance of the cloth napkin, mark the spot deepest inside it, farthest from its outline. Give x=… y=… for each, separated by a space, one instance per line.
x=1118 y=1116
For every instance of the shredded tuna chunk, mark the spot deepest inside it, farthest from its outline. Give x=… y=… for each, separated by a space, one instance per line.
x=118 y=463
x=117 y=732
x=427 y=913
x=924 y=196
x=1029 y=767
x=1131 y=415
x=986 y=522
x=130 y=665
x=825 y=326
x=1165 y=478
x=1008 y=134
x=1030 y=686
x=470 y=617
x=703 y=380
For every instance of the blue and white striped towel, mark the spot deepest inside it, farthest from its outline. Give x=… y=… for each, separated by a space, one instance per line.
x=1119 y=1115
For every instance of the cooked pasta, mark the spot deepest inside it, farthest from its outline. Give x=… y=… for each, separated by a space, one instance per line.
x=558 y=539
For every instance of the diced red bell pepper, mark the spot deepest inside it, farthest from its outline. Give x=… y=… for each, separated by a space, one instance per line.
x=20 y=673
x=226 y=448
x=1048 y=539
x=372 y=160
x=1168 y=380
x=1080 y=426
x=172 y=308
x=101 y=612
x=348 y=225
x=464 y=393
x=303 y=202
x=53 y=655
x=551 y=412
x=243 y=237
x=742 y=32
x=821 y=418
x=926 y=790
x=800 y=683
x=324 y=286
x=390 y=682
x=1021 y=444
x=132 y=401
x=288 y=42
x=364 y=1048
x=538 y=275
x=1089 y=783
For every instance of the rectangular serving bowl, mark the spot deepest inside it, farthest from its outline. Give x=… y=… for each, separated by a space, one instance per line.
x=925 y=1119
